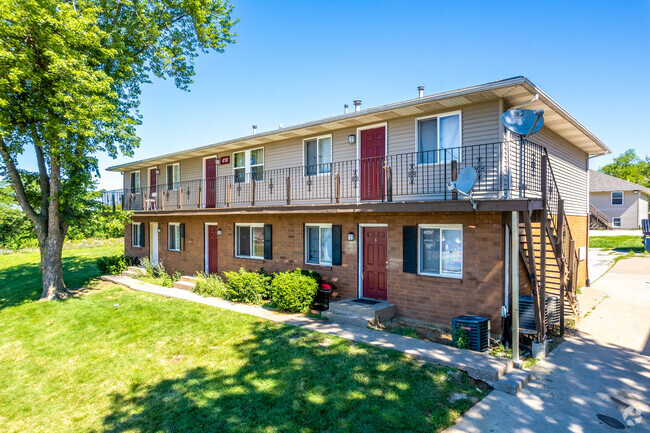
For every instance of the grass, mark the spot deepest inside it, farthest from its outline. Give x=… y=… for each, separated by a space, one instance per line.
x=621 y=243
x=116 y=360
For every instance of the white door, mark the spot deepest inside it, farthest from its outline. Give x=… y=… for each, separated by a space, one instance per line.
x=153 y=242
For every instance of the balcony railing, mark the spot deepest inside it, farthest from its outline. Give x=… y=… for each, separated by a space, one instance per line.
x=419 y=176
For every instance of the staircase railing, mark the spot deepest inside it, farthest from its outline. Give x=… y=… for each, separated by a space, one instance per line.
x=600 y=217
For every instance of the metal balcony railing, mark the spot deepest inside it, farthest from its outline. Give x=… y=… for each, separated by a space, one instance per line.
x=504 y=170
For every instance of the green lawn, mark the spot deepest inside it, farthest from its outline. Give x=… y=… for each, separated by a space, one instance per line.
x=623 y=243
x=116 y=360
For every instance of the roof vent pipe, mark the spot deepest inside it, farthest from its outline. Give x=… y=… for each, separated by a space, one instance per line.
x=345 y=108
x=420 y=91
x=357 y=105
x=254 y=129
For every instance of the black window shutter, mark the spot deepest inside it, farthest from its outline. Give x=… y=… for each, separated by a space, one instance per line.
x=410 y=249
x=182 y=229
x=336 y=246
x=141 y=234
x=133 y=183
x=268 y=242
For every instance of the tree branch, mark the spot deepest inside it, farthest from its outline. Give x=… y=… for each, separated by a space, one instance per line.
x=42 y=173
x=19 y=188
x=171 y=23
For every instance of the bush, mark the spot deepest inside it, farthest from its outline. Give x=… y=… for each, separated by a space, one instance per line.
x=210 y=285
x=246 y=286
x=294 y=291
x=156 y=274
x=114 y=264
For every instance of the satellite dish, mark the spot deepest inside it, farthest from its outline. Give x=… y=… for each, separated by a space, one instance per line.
x=523 y=121
x=464 y=183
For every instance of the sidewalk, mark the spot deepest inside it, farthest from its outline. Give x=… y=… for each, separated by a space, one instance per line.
x=480 y=366
x=599 y=376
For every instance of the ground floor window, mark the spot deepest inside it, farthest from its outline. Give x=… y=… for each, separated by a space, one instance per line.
x=137 y=235
x=249 y=241
x=174 y=236
x=318 y=244
x=440 y=250
x=616 y=222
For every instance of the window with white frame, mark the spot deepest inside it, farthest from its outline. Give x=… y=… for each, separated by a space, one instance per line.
x=135 y=182
x=616 y=222
x=440 y=250
x=174 y=236
x=318 y=244
x=248 y=164
x=317 y=155
x=173 y=176
x=436 y=134
x=617 y=198
x=137 y=235
x=249 y=241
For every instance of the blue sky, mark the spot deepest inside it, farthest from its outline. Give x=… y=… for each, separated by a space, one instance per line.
x=299 y=61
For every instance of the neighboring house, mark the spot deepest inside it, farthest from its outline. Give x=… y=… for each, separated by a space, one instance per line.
x=624 y=204
x=362 y=198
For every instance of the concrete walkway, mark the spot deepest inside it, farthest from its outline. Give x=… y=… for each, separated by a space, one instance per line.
x=480 y=366
x=617 y=232
x=601 y=375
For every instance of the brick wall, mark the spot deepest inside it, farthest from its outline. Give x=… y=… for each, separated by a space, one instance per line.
x=424 y=298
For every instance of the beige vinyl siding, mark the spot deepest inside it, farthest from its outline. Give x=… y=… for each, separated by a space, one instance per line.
x=643 y=207
x=570 y=166
x=628 y=212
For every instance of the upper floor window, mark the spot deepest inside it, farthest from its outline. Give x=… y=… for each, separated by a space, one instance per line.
x=248 y=164
x=617 y=198
x=435 y=133
x=318 y=155
x=173 y=176
x=135 y=182
x=440 y=250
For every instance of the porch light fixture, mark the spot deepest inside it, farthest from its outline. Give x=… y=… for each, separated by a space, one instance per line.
x=352 y=138
x=159 y=230
x=157 y=171
x=351 y=237
x=218 y=232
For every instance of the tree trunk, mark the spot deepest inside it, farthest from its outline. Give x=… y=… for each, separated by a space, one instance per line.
x=52 y=266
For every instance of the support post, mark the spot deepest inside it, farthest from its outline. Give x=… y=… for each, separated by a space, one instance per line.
x=180 y=197
x=200 y=197
x=572 y=276
x=389 y=183
x=228 y=194
x=113 y=199
x=288 y=190
x=454 y=177
x=337 y=184
x=253 y=183
x=542 y=245
x=539 y=322
x=514 y=257
x=560 y=250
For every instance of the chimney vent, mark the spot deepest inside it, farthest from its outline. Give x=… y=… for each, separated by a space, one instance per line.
x=357 y=105
x=345 y=108
x=254 y=129
x=420 y=91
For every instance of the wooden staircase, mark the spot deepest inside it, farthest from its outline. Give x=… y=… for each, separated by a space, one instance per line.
x=547 y=249
x=597 y=219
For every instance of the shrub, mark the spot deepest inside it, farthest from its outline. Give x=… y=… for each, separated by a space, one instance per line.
x=312 y=274
x=114 y=264
x=152 y=269
x=210 y=285
x=246 y=286
x=460 y=337
x=294 y=291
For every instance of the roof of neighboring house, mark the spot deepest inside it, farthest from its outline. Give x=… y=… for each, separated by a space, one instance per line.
x=601 y=182
x=514 y=91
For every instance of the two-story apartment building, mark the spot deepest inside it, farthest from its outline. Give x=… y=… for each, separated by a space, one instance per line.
x=362 y=198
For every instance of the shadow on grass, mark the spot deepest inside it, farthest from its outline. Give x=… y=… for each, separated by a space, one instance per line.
x=22 y=282
x=291 y=380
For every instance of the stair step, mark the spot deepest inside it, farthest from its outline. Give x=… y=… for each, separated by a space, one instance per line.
x=137 y=270
x=129 y=274
x=188 y=279
x=184 y=285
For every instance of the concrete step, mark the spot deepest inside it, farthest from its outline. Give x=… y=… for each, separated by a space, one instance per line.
x=130 y=274
x=137 y=270
x=187 y=279
x=354 y=313
x=513 y=382
x=184 y=285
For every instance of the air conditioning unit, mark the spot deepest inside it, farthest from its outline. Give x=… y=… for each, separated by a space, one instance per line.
x=527 y=313
x=477 y=329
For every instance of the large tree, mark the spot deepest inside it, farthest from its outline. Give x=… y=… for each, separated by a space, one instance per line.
x=70 y=79
x=629 y=166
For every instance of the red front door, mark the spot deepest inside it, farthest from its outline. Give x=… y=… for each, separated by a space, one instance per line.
x=213 y=250
x=211 y=182
x=373 y=150
x=153 y=181
x=374 y=262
